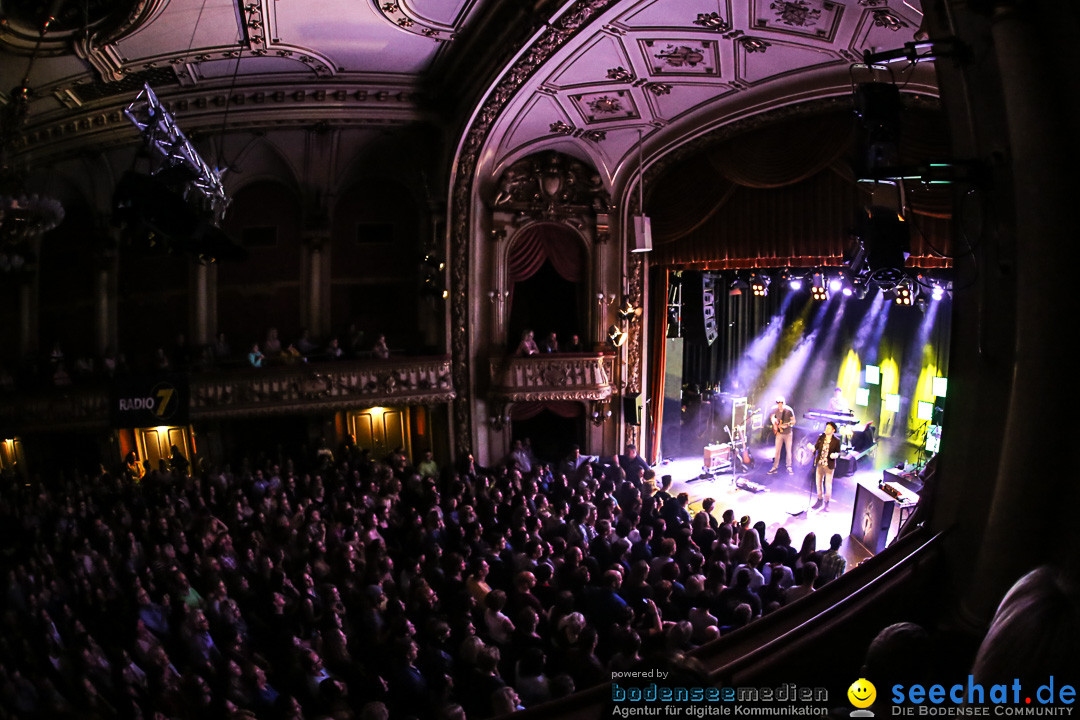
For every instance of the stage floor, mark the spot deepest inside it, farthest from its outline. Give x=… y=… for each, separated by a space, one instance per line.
x=785 y=501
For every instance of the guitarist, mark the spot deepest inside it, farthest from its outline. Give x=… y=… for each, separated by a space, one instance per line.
x=783 y=419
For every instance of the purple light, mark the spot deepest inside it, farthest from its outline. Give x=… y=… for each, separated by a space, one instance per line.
x=937 y=293
x=796 y=284
x=848 y=292
x=835 y=285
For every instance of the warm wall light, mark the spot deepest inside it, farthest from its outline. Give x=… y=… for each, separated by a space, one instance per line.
x=616 y=336
x=599 y=412
x=628 y=312
x=862 y=397
x=892 y=402
x=940 y=385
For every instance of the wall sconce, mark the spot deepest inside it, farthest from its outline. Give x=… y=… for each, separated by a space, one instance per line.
x=498 y=296
x=605 y=299
x=616 y=336
x=628 y=312
x=500 y=417
x=599 y=412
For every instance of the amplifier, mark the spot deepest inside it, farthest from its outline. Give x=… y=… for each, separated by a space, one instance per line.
x=717 y=455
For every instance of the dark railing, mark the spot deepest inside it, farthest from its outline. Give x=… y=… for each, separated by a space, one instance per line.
x=262 y=391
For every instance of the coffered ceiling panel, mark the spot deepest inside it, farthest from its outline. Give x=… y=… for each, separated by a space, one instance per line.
x=600 y=60
x=772 y=59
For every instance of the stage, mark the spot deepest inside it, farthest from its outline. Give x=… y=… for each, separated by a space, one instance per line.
x=784 y=500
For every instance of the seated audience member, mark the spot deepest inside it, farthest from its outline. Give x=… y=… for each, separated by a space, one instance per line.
x=381 y=350
x=528 y=344
x=1035 y=631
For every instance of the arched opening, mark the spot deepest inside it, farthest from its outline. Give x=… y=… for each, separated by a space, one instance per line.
x=547 y=272
x=552 y=427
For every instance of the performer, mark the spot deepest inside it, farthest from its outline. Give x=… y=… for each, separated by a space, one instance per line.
x=783 y=419
x=837 y=403
x=826 y=451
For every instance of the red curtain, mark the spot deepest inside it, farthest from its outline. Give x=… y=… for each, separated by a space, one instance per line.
x=658 y=291
x=562 y=408
x=547 y=241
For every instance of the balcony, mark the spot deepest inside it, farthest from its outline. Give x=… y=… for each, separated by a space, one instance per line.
x=218 y=394
x=561 y=376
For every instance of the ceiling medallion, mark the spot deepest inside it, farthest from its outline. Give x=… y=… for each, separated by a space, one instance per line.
x=605 y=105
x=712 y=21
x=620 y=74
x=796 y=13
x=658 y=88
x=753 y=45
x=24 y=24
x=887 y=19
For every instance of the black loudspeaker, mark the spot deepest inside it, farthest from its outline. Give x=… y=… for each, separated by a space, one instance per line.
x=630 y=409
x=846 y=465
x=699 y=307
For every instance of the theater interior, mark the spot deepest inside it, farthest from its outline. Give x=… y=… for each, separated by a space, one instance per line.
x=239 y=232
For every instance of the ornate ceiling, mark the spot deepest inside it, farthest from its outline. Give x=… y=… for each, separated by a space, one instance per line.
x=668 y=69
x=675 y=70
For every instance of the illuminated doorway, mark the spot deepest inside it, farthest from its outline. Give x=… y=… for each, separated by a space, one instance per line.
x=381 y=430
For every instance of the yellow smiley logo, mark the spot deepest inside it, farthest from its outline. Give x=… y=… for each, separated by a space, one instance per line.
x=862 y=693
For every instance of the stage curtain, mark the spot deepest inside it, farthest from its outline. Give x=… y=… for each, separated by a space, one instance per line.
x=658 y=293
x=783 y=154
x=786 y=196
x=546 y=241
x=562 y=408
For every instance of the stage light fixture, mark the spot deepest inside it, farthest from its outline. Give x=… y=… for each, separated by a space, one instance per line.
x=941 y=386
x=892 y=402
x=905 y=294
x=759 y=283
x=737 y=285
x=818 y=290
x=921 y=303
x=937 y=292
x=924 y=410
x=862 y=397
x=873 y=375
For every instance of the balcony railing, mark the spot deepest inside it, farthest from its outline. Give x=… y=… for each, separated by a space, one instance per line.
x=553 y=377
x=240 y=393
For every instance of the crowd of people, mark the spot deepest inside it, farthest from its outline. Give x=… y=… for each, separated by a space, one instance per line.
x=341 y=586
x=61 y=368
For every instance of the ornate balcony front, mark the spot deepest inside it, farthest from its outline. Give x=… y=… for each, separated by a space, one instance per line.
x=553 y=377
x=219 y=394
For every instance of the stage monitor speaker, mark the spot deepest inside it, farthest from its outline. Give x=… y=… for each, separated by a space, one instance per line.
x=630 y=409
x=846 y=465
x=699 y=307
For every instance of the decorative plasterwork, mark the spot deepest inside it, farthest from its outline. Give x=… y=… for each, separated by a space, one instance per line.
x=552 y=377
x=476 y=135
x=681 y=58
x=551 y=185
x=269 y=391
x=399 y=14
x=818 y=19
x=101 y=22
x=251 y=107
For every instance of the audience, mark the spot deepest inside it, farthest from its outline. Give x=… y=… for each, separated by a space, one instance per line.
x=347 y=587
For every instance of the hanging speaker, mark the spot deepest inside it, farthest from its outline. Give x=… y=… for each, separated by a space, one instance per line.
x=642 y=240
x=630 y=409
x=708 y=307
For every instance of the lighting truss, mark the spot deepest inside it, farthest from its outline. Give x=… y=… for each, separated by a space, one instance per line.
x=162 y=135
